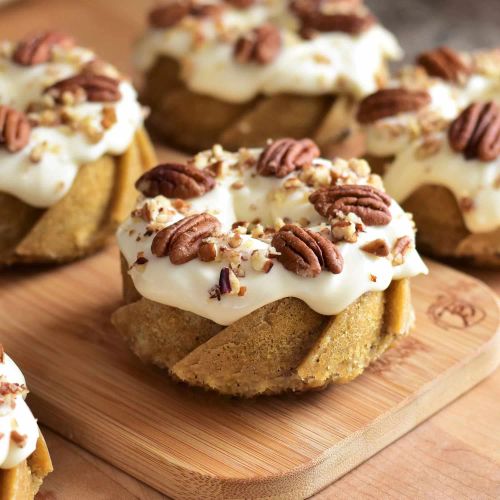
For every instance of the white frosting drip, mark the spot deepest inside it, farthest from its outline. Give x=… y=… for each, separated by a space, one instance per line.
x=186 y=286
x=45 y=182
x=329 y=63
x=15 y=416
x=473 y=180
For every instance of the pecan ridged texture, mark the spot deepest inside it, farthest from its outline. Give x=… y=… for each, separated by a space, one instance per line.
x=370 y=204
x=390 y=102
x=37 y=49
x=315 y=15
x=15 y=129
x=476 y=132
x=181 y=241
x=444 y=63
x=175 y=180
x=260 y=45
x=305 y=252
x=283 y=156
x=96 y=88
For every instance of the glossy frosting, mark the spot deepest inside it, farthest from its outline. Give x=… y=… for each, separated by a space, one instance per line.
x=240 y=194
x=43 y=182
x=15 y=417
x=332 y=62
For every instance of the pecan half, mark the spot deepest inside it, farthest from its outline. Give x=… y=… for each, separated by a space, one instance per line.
x=283 y=156
x=260 y=45
x=476 y=132
x=181 y=241
x=95 y=88
x=37 y=49
x=15 y=129
x=370 y=204
x=175 y=180
x=444 y=63
x=305 y=252
x=390 y=102
x=316 y=15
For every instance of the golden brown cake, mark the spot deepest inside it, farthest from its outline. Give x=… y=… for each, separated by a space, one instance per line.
x=24 y=460
x=265 y=271
x=71 y=143
x=239 y=72
x=435 y=132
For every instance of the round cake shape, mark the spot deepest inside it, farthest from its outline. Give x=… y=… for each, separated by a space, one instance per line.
x=71 y=143
x=240 y=74
x=284 y=272
x=441 y=157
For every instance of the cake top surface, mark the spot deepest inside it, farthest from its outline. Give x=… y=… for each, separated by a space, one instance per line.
x=226 y=233
x=18 y=428
x=440 y=120
x=60 y=107
x=236 y=50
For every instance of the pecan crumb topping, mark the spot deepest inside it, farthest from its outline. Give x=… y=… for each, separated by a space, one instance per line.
x=376 y=247
x=15 y=129
x=283 y=156
x=37 y=49
x=175 y=180
x=476 y=132
x=18 y=438
x=260 y=45
x=444 y=63
x=390 y=102
x=181 y=241
x=370 y=204
x=306 y=252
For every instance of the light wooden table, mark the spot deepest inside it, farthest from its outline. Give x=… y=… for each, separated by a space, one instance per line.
x=455 y=454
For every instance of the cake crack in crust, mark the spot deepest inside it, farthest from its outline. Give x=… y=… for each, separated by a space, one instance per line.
x=442 y=160
x=71 y=146
x=267 y=289
x=262 y=70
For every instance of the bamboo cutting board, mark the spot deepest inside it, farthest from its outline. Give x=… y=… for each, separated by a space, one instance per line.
x=86 y=386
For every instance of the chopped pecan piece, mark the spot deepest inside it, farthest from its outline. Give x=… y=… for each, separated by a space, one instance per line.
x=370 y=204
x=175 y=180
x=95 y=88
x=305 y=252
x=444 y=63
x=476 y=132
x=317 y=15
x=376 y=247
x=37 y=49
x=400 y=249
x=169 y=14
x=15 y=129
x=260 y=45
x=390 y=102
x=283 y=156
x=181 y=241
x=241 y=4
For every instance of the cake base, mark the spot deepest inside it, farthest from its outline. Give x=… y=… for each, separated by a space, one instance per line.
x=188 y=443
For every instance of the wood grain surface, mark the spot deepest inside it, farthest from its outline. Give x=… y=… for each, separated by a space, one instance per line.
x=454 y=454
x=88 y=387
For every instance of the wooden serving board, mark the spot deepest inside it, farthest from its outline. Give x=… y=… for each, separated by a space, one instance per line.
x=191 y=444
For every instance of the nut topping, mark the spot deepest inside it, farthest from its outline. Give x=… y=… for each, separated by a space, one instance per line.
x=37 y=49
x=175 y=180
x=241 y=4
x=476 y=132
x=390 y=102
x=305 y=252
x=260 y=45
x=283 y=156
x=370 y=204
x=169 y=14
x=444 y=63
x=15 y=129
x=400 y=249
x=376 y=247
x=95 y=88
x=181 y=241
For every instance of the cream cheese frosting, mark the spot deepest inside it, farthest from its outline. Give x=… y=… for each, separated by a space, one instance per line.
x=43 y=171
x=18 y=428
x=241 y=195
x=329 y=63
